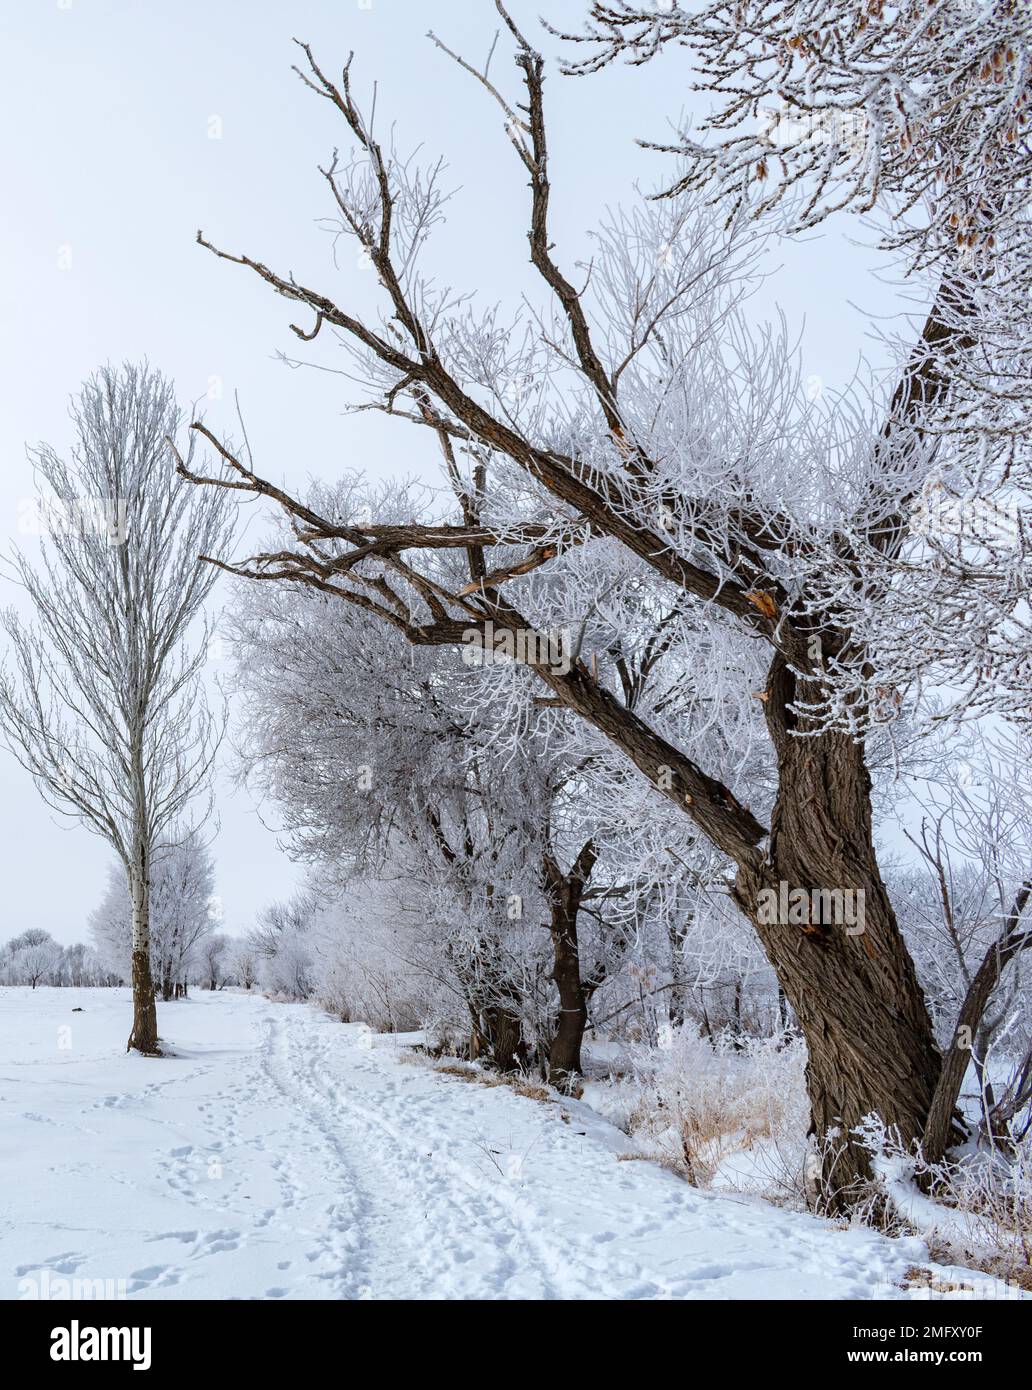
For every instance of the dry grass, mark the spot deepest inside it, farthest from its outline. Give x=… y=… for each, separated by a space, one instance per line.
x=701 y=1104
x=974 y=1210
x=466 y=1071
x=470 y=1072
x=997 y=1264
x=660 y=1160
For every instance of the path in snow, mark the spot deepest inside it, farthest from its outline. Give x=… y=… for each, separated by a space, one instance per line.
x=281 y=1154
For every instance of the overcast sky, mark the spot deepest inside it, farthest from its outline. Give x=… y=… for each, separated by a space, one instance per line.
x=129 y=124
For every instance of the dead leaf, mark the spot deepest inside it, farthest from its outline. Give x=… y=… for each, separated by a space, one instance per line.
x=760 y=599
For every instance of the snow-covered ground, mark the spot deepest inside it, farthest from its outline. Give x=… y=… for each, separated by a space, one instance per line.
x=280 y=1154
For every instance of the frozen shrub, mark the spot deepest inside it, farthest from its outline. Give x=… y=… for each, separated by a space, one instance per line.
x=975 y=1209
x=728 y=1112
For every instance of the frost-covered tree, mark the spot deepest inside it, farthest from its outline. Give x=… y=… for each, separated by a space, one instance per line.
x=967 y=908
x=105 y=707
x=77 y=965
x=32 y=958
x=384 y=766
x=637 y=413
x=242 y=963
x=181 y=921
x=918 y=110
x=280 y=943
x=81 y=967
x=213 y=960
x=914 y=115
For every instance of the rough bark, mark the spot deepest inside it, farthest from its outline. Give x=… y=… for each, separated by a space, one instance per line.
x=565 y=893
x=501 y=1035
x=855 y=992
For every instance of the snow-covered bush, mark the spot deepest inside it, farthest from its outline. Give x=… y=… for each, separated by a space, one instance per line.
x=974 y=1209
x=364 y=965
x=727 y=1112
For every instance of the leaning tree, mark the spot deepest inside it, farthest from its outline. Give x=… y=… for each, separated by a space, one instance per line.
x=640 y=411
x=105 y=707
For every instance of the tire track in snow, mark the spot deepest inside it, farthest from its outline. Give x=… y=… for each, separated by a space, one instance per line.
x=338 y=1250
x=417 y=1227
x=493 y=1209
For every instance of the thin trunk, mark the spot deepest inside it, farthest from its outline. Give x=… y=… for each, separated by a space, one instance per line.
x=1011 y=941
x=782 y=1010
x=144 y=1037
x=564 y=1054
x=677 y=934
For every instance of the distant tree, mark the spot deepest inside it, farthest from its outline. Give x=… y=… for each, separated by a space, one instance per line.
x=182 y=882
x=33 y=956
x=279 y=942
x=242 y=963
x=214 y=960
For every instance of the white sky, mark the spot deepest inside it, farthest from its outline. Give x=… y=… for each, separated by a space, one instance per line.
x=108 y=107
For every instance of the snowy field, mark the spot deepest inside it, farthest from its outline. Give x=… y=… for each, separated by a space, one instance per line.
x=280 y=1154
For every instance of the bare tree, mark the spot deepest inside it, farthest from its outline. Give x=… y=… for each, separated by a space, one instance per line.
x=105 y=707
x=641 y=412
x=975 y=844
x=213 y=961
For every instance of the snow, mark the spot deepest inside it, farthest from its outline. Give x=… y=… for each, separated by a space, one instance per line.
x=281 y=1154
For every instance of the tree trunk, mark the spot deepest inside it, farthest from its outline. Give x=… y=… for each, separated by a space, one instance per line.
x=144 y=1037
x=851 y=984
x=501 y=1028
x=564 y=1054
x=677 y=1007
x=565 y=892
x=1010 y=942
